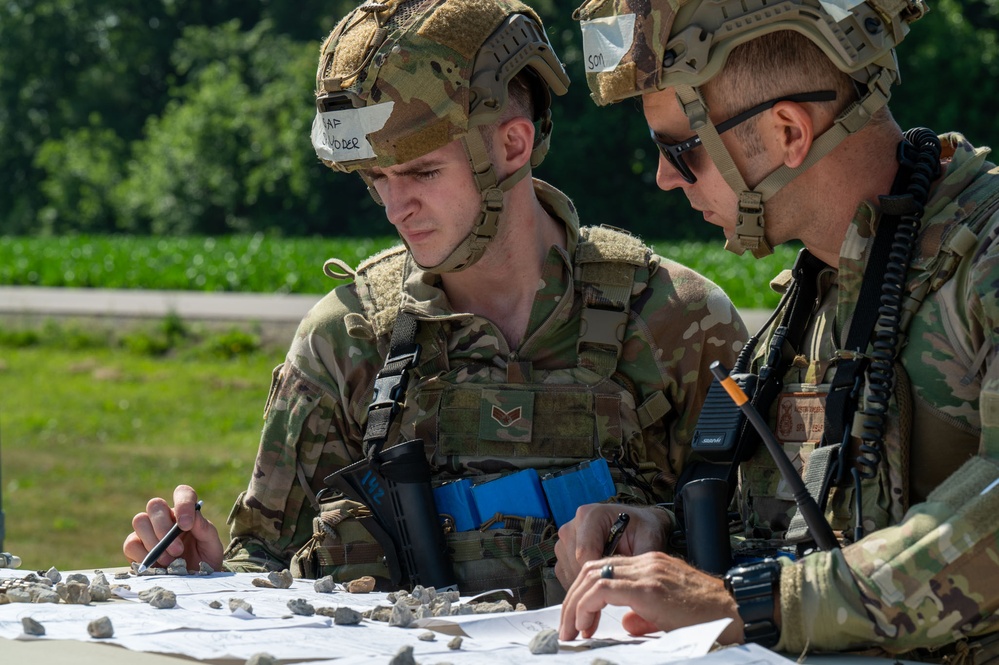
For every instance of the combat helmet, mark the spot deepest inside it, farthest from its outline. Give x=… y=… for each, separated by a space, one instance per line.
x=398 y=79
x=634 y=47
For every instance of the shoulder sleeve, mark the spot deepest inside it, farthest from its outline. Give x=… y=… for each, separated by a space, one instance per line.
x=313 y=424
x=685 y=322
x=932 y=579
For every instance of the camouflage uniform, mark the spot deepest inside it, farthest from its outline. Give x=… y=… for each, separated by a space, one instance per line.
x=927 y=573
x=678 y=323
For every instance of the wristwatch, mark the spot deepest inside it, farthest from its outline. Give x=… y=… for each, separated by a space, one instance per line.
x=754 y=587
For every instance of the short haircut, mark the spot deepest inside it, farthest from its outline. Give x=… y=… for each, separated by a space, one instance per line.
x=776 y=64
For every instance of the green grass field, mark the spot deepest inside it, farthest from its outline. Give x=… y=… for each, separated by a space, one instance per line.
x=89 y=435
x=290 y=265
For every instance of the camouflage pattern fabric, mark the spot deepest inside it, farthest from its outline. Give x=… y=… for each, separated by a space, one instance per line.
x=317 y=409
x=926 y=574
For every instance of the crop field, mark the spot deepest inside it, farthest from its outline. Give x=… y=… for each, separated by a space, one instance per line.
x=267 y=264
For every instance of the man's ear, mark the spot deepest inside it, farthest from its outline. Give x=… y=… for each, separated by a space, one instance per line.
x=514 y=143
x=795 y=131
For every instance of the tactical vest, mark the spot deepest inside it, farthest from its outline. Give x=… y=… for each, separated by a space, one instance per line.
x=912 y=428
x=481 y=421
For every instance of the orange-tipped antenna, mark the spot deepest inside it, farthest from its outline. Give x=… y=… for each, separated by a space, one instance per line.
x=817 y=524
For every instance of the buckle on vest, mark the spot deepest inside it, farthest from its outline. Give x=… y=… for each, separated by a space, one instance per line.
x=602 y=327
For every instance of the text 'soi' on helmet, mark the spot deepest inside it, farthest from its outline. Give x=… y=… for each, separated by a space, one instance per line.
x=634 y=47
x=398 y=79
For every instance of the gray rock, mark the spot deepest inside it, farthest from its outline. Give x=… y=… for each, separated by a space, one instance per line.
x=490 y=608
x=146 y=594
x=215 y=605
x=324 y=585
x=100 y=628
x=18 y=595
x=381 y=613
x=261 y=659
x=602 y=661
x=100 y=593
x=32 y=627
x=44 y=596
x=346 y=616
x=100 y=579
x=422 y=612
x=401 y=615
x=163 y=599
x=122 y=575
x=544 y=642
x=455 y=643
x=53 y=575
x=440 y=607
x=205 y=569
x=77 y=593
x=301 y=607
x=428 y=636
x=240 y=604
x=281 y=580
x=79 y=578
x=177 y=567
x=403 y=657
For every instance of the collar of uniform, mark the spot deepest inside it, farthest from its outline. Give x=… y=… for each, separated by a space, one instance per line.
x=422 y=295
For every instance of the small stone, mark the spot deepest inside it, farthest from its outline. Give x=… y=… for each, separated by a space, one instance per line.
x=281 y=580
x=205 y=569
x=544 y=642
x=32 y=627
x=18 y=595
x=403 y=657
x=401 y=616
x=100 y=628
x=100 y=593
x=77 y=593
x=53 y=575
x=177 y=567
x=346 y=616
x=364 y=584
x=602 y=661
x=261 y=659
x=324 y=584
x=301 y=607
x=381 y=613
x=326 y=611
x=490 y=608
x=240 y=604
x=428 y=636
x=521 y=607
x=163 y=599
x=215 y=605
x=422 y=612
x=146 y=594
x=455 y=643
x=100 y=579
x=79 y=578
x=440 y=607
x=122 y=575
x=262 y=583
x=44 y=596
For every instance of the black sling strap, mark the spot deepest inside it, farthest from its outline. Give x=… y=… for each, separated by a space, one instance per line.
x=390 y=384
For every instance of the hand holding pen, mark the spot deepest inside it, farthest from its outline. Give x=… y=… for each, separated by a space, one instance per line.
x=616 y=533
x=164 y=532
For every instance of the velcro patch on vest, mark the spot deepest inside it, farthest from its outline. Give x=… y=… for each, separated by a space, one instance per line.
x=800 y=417
x=506 y=415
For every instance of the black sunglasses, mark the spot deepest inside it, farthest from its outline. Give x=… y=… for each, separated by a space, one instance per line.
x=673 y=152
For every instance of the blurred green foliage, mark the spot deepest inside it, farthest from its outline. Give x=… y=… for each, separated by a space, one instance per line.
x=178 y=116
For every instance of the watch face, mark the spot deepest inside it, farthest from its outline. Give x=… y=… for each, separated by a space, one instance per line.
x=753 y=587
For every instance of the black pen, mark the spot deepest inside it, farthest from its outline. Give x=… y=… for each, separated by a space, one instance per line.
x=617 y=530
x=161 y=546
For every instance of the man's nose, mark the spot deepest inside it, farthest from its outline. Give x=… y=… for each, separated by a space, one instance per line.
x=398 y=199
x=667 y=177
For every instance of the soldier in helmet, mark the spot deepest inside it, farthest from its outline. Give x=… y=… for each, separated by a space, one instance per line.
x=543 y=344
x=878 y=375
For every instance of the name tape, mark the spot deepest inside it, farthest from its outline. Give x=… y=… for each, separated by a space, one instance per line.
x=341 y=136
x=606 y=40
x=839 y=9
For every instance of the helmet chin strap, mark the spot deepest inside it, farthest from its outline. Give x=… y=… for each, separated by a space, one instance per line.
x=749 y=228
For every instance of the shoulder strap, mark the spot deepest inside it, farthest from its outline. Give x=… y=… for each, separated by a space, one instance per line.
x=606 y=262
x=391 y=383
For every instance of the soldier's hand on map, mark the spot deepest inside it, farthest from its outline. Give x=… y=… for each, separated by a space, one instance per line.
x=199 y=540
x=583 y=538
x=663 y=592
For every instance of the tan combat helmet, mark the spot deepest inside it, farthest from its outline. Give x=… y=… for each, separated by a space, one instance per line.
x=633 y=47
x=398 y=79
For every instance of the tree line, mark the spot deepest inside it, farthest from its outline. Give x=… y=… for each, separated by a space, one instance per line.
x=190 y=117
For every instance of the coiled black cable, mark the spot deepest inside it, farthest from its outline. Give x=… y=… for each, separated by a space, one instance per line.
x=881 y=373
